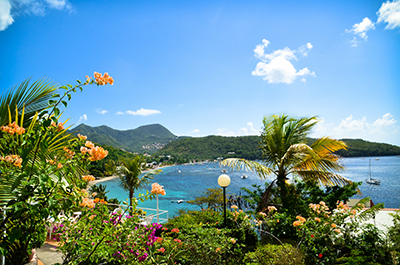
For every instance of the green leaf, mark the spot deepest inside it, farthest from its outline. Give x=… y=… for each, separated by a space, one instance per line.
x=56 y=96
x=64 y=103
x=69 y=96
x=56 y=111
x=18 y=181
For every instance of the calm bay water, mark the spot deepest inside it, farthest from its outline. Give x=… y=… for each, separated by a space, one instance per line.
x=185 y=182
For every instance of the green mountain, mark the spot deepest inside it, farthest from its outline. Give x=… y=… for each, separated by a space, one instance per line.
x=212 y=147
x=145 y=139
x=156 y=139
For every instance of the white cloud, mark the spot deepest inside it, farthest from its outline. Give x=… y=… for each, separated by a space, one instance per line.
x=225 y=132
x=379 y=130
x=120 y=113
x=303 y=50
x=276 y=66
x=194 y=132
x=82 y=118
x=249 y=130
x=101 y=111
x=5 y=14
x=9 y=9
x=58 y=4
x=390 y=13
x=361 y=28
x=143 y=112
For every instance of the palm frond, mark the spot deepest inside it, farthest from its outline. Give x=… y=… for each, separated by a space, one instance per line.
x=33 y=97
x=243 y=164
x=323 y=177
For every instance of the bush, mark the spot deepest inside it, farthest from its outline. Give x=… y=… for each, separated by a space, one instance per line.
x=268 y=254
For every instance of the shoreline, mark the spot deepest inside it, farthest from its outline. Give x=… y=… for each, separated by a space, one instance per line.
x=94 y=182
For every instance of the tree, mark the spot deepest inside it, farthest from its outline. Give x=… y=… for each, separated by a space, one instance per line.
x=129 y=173
x=39 y=167
x=100 y=190
x=33 y=98
x=285 y=153
x=209 y=199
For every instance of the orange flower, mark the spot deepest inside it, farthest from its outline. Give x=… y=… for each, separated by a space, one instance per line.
x=16 y=160
x=97 y=153
x=84 y=150
x=317 y=219
x=60 y=126
x=89 y=144
x=297 y=223
x=59 y=165
x=302 y=219
x=103 y=80
x=161 y=250
x=82 y=137
x=157 y=189
x=86 y=202
x=333 y=225
x=88 y=178
x=13 y=128
x=159 y=240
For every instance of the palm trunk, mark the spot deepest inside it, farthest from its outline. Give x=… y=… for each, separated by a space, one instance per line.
x=130 y=202
x=281 y=178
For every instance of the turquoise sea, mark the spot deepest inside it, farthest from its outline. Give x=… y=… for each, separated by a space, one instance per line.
x=185 y=182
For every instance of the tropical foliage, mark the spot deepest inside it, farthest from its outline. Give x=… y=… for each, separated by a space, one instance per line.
x=285 y=153
x=130 y=172
x=31 y=98
x=42 y=174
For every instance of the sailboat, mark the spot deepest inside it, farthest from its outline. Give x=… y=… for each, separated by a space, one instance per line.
x=371 y=180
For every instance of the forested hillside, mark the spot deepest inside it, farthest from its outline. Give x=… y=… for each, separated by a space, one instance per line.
x=145 y=139
x=212 y=147
x=359 y=147
x=159 y=141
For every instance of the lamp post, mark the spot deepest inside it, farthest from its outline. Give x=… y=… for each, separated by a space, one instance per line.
x=224 y=181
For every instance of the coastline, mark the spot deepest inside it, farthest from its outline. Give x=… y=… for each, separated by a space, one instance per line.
x=94 y=182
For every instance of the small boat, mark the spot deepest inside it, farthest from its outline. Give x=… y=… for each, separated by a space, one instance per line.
x=371 y=180
x=244 y=176
x=224 y=171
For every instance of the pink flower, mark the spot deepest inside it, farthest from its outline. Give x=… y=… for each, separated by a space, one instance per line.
x=161 y=250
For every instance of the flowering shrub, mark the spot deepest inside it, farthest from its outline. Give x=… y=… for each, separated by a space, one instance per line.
x=157 y=189
x=284 y=254
x=99 y=236
x=41 y=173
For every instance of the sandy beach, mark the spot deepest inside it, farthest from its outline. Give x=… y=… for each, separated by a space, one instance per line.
x=94 y=182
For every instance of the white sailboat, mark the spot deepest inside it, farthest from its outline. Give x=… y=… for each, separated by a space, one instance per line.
x=371 y=180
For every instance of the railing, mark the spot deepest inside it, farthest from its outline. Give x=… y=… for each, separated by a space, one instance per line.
x=157 y=216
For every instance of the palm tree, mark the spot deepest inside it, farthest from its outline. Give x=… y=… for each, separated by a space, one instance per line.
x=100 y=190
x=129 y=173
x=285 y=153
x=32 y=98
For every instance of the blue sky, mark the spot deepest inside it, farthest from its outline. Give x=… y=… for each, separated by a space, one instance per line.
x=214 y=67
